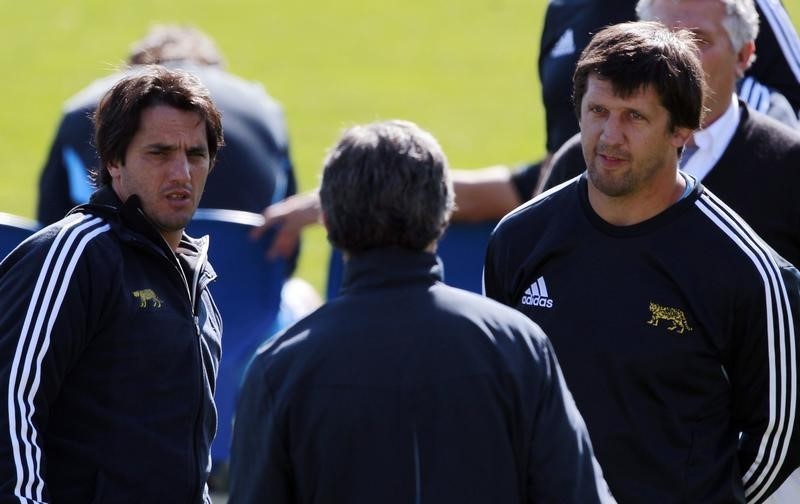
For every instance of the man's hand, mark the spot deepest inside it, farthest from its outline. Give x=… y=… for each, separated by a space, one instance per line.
x=289 y=216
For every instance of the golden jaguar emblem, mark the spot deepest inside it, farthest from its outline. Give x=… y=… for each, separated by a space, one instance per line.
x=674 y=315
x=146 y=296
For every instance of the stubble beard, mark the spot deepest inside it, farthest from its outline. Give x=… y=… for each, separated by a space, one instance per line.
x=621 y=182
x=614 y=184
x=166 y=221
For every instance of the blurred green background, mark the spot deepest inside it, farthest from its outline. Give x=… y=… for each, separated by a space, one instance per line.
x=463 y=69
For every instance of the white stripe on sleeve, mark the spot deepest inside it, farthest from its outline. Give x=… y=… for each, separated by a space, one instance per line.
x=780 y=340
x=34 y=341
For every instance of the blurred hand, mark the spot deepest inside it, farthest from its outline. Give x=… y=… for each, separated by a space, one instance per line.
x=289 y=216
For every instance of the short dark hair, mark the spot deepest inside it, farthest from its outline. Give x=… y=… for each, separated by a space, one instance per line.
x=166 y=43
x=636 y=55
x=386 y=184
x=118 y=115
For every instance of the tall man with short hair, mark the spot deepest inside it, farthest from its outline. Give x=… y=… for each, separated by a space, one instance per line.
x=675 y=323
x=109 y=338
x=404 y=389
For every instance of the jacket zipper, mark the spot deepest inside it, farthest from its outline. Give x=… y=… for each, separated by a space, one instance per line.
x=191 y=298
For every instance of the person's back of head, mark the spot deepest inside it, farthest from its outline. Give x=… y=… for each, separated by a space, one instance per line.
x=386 y=184
x=637 y=55
x=169 y=42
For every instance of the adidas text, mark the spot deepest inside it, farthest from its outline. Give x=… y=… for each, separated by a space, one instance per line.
x=537 y=301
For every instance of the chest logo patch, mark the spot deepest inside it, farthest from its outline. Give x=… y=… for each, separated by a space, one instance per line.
x=536 y=295
x=147 y=297
x=673 y=315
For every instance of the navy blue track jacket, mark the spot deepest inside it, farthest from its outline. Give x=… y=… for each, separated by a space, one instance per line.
x=678 y=337
x=109 y=347
x=403 y=390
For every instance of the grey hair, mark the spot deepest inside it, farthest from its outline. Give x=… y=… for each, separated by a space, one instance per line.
x=386 y=184
x=741 y=20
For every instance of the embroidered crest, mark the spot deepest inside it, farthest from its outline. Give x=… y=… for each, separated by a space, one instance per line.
x=147 y=297
x=673 y=315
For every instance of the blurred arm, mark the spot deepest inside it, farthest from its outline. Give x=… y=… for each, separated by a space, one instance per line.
x=291 y=216
x=483 y=194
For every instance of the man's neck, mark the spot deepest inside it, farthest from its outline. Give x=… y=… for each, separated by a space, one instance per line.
x=173 y=238
x=635 y=208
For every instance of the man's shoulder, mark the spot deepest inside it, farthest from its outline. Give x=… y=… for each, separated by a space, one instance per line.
x=231 y=91
x=767 y=133
x=84 y=232
x=732 y=243
x=64 y=244
x=89 y=97
x=539 y=211
x=504 y=319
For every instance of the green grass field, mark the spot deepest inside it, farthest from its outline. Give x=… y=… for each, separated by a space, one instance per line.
x=463 y=69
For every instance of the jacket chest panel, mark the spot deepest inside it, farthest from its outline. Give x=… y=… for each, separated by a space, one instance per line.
x=147 y=330
x=618 y=319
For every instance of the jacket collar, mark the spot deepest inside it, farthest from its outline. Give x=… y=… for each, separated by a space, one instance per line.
x=390 y=267
x=132 y=224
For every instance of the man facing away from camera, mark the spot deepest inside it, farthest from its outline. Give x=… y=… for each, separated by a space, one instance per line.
x=404 y=389
x=109 y=338
x=675 y=323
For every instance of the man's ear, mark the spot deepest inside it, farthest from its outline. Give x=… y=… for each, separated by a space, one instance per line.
x=680 y=136
x=744 y=58
x=114 y=169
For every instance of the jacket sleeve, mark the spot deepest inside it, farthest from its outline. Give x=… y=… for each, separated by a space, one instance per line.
x=777 y=65
x=563 y=467
x=259 y=464
x=43 y=329
x=764 y=381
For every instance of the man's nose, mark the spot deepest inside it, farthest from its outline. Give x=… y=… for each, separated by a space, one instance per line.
x=179 y=168
x=612 y=130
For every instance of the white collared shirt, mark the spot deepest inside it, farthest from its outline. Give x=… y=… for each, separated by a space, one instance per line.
x=712 y=141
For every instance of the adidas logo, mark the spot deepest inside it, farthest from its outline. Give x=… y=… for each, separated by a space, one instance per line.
x=536 y=295
x=564 y=46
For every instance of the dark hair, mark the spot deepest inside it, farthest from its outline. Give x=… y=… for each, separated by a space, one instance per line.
x=639 y=54
x=386 y=184
x=171 y=42
x=118 y=114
